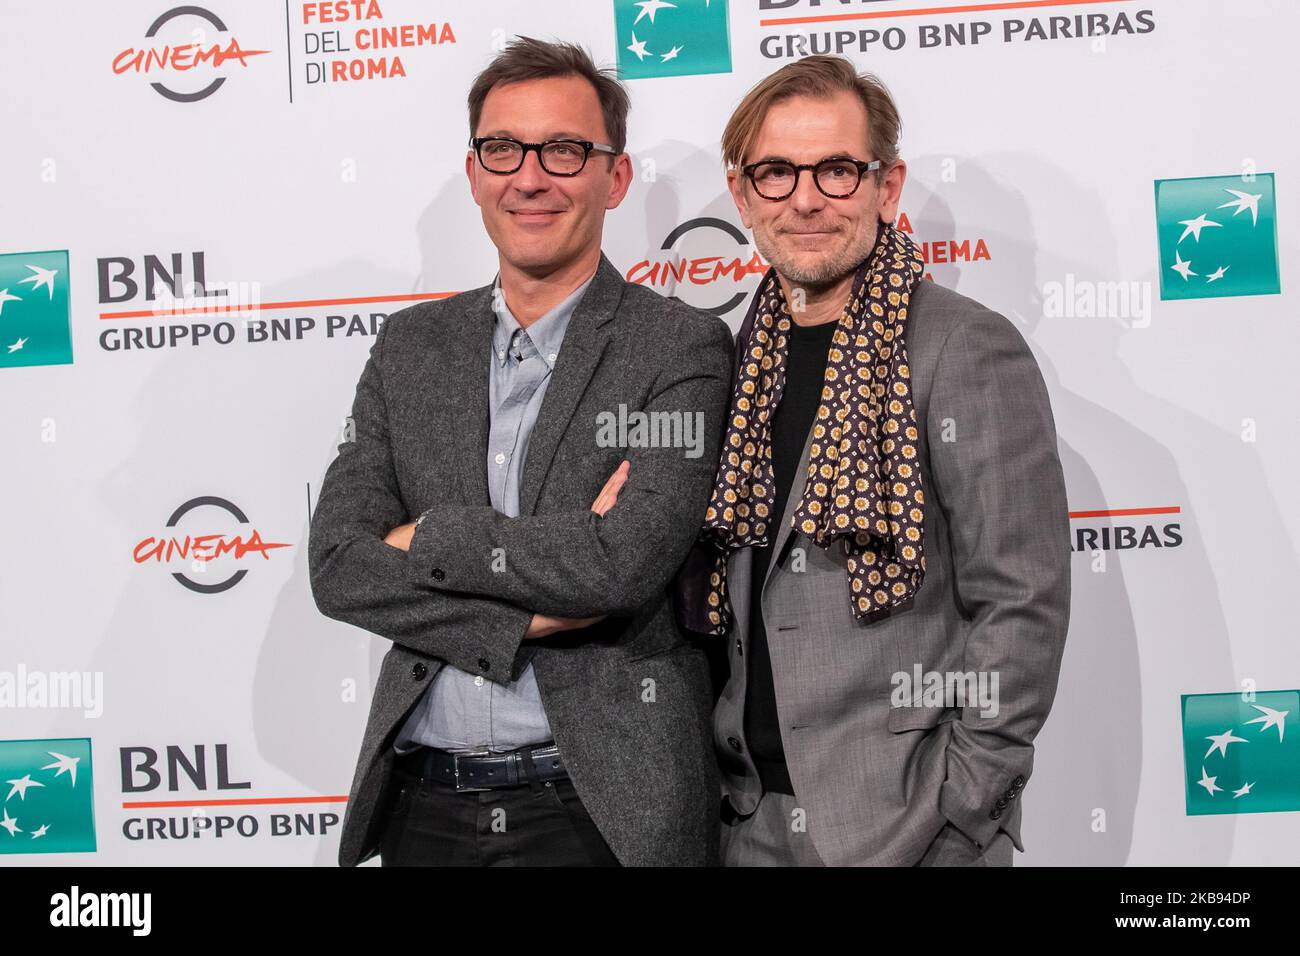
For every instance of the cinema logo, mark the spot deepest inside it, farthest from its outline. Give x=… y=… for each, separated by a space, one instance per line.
x=190 y=51
x=1125 y=529
x=184 y=785
x=225 y=549
x=348 y=40
x=672 y=272
x=946 y=251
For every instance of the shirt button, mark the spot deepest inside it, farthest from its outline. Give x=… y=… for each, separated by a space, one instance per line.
x=551 y=357
x=500 y=458
x=478 y=681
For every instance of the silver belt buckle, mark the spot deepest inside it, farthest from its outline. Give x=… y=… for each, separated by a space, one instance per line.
x=455 y=765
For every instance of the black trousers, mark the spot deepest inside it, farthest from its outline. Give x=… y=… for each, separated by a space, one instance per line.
x=428 y=823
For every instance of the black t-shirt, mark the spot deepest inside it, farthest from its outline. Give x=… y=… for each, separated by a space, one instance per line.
x=805 y=372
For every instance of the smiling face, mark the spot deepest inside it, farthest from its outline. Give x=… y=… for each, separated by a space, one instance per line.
x=542 y=223
x=810 y=239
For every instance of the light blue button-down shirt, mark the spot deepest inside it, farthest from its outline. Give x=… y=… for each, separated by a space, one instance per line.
x=460 y=711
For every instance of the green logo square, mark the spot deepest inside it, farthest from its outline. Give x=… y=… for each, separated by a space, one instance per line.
x=35 y=309
x=1217 y=236
x=49 y=796
x=1237 y=754
x=681 y=38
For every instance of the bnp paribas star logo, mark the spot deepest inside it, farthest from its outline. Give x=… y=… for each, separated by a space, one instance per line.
x=49 y=796
x=1218 y=236
x=681 y=38
x=1237 y=753
x=34 y=309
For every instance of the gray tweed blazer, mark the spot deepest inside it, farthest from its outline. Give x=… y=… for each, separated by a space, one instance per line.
x=629 y=697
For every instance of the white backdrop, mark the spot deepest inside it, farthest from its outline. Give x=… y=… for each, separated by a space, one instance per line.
x=1040 y=154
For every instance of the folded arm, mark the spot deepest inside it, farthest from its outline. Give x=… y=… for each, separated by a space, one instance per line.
x=357 y=578
x=578 y=563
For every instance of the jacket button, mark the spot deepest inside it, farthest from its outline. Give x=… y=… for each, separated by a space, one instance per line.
x=996 y=814
x=734 y=744
x=1001 y=804
x=484 y=664
x=437 y=574
x=418 y=671
x=1018 y=782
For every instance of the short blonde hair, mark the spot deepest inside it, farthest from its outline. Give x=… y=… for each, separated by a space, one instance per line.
x=815 y=76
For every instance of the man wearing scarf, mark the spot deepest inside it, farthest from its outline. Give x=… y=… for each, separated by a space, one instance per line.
x=883 y=561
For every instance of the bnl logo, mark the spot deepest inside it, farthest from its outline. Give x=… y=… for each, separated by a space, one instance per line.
x=49 y=796
x=1241 y=752
x=682 y=38
x=1218 y=237
x=35 y=325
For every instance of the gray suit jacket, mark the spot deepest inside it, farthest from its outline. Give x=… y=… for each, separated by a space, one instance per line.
x=878 y=783
x=628 y=698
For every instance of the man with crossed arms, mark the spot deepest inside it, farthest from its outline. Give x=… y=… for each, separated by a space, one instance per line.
x=539 y=705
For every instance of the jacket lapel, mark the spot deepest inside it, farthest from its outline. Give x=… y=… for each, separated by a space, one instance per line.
x=740 y=573
x=584 y=343
x=791 y=505
x=467 y=366
x=796 y=492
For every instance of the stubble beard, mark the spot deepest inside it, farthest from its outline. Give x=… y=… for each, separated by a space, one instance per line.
x=824 y=272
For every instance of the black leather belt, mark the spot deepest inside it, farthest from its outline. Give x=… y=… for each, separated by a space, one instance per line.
x=484 y=771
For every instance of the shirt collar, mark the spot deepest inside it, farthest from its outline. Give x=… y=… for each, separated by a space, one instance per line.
x=546 y=333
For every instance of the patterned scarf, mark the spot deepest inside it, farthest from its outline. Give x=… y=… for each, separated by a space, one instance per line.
x=864 y=481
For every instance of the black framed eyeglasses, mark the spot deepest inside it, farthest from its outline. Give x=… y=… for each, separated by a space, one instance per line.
x=836 y=178
x=559 y=157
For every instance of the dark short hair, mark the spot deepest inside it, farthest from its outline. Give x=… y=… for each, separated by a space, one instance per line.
x=525 y=58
